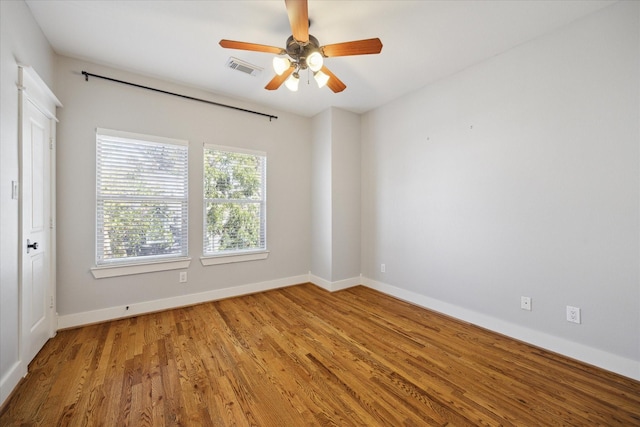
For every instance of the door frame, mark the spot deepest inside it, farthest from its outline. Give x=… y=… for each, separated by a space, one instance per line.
x=33 y=90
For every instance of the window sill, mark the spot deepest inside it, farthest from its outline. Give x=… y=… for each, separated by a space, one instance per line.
x=228 y=259
x=105 y=271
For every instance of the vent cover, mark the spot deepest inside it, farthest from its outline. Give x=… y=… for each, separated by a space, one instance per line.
x=244 y=67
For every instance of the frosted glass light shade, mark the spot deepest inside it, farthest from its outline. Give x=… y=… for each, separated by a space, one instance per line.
x=292 y=82
x=314 y=61
x=320 y=78
x=281 y=64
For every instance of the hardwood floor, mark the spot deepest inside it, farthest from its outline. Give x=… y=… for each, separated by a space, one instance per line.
x=301 y=356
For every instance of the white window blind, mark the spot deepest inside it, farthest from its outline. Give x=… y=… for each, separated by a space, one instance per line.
x=142 y=197
x=234 y=200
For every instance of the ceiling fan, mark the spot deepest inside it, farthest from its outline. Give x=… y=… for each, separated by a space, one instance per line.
x=303 y=51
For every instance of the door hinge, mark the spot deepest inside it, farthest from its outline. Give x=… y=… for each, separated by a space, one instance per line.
x=51 y=303
x=52 y=142
x=51 y=223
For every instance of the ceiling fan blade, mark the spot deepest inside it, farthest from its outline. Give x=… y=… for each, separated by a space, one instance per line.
x=232 y=44
x=334 y=83
x=357 y=47
x=277 y=81
x=298 y=11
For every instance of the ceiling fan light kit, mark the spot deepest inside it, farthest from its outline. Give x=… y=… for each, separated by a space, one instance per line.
x=320 y=78
x=281 y=64
x=293 y=82
x=314 y=61
x=303 y=51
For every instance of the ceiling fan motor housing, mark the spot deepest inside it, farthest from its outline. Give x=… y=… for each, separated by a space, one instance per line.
x=299 y=52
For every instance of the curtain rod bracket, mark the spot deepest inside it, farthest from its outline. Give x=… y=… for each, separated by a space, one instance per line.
x=86 y=79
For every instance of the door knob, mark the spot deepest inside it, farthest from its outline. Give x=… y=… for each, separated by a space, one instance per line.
x=30 y=245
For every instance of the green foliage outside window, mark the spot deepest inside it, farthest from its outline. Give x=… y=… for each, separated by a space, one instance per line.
x=140 y=229
x=142 y=200
x=234 y=201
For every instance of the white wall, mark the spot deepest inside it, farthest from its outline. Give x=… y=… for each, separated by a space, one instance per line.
x=345 y=194
x=519 y=177
x=335 y=211
x=21 y=41
x=321 y=219
x=99 y=103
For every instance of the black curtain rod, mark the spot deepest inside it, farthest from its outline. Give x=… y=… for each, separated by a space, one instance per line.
x=86 y=78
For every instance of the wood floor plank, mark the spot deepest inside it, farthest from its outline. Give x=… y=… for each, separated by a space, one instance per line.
x=301 y=356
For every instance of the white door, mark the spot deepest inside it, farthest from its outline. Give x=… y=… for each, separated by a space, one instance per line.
x=37 y=235
x=36 y=202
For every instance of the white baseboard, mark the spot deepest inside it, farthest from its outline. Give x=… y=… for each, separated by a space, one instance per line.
x=335 y=286
x=596 y=357
x=112 y=313
x=11 y=379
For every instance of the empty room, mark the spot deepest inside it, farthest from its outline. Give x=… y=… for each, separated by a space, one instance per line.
x=319 y=212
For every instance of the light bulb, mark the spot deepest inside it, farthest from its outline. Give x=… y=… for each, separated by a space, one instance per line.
x=320 y=78
x=292 y=82
x=281 y=64
x=314 y=61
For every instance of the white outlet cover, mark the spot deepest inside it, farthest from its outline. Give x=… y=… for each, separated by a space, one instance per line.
x=525 y=303
x=573 y=314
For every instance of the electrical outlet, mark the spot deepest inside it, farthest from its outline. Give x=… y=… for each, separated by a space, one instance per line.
x=183 y=277
x=525 y=303
x=573 y=314
x=383 y=268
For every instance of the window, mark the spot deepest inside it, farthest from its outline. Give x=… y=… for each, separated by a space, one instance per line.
x=234 y=201
x=142 y=203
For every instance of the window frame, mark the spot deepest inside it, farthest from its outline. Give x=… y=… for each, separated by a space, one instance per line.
x=242 y=255
x=146 y=263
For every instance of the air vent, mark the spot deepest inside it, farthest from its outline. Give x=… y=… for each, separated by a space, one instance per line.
x=244 y=67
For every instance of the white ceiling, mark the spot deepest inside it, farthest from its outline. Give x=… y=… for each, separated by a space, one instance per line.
x=423 y=41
